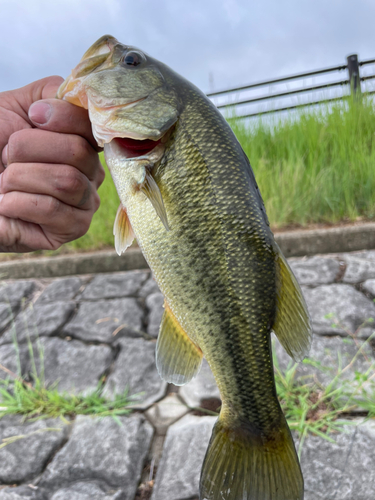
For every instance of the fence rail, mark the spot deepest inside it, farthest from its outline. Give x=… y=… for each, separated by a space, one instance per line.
x=353 y=82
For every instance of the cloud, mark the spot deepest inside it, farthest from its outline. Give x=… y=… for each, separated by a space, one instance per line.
x=237 y=41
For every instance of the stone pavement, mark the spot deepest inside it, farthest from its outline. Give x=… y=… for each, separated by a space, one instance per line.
x=104 y=328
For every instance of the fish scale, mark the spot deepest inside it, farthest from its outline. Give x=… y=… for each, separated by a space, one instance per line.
x=194 y=206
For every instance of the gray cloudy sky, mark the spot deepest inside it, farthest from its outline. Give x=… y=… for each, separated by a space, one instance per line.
x=237 y=41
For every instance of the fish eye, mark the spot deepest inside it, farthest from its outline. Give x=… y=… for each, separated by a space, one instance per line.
x=133 y=58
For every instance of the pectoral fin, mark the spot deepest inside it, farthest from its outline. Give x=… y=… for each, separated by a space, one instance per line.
x=152 y=191
x=292 y=324
x=122 y=230
x=178 y=359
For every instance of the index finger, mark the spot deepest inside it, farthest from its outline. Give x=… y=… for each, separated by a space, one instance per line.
x=62 y=116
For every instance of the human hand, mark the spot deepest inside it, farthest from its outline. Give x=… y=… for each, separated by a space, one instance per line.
x=48 y=190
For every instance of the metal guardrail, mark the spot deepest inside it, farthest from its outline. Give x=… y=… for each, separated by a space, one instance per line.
x=354 y=82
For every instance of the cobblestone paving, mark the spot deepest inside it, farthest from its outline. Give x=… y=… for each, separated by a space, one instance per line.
x=104 y=327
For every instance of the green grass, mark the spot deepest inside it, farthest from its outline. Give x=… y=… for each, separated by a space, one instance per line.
x=34 y=399
x=311 y=408
x=34 y=402
x=315 y=166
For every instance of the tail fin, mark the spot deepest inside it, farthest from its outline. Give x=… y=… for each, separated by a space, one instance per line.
x=241 y=464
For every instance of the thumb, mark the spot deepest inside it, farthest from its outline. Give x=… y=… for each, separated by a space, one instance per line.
x=40 y=89
x=49 y=89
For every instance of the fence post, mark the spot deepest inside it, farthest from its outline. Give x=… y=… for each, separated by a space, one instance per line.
x=353 y=68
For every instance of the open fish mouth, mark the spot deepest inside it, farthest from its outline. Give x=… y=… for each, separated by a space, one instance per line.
x=129 y=146
x=135 y=148
x=130 y=149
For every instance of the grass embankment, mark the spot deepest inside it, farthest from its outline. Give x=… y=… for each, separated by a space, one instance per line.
x=315 y=166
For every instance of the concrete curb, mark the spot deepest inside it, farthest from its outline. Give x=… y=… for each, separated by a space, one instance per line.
x=292 y=244
x=81 y=263
x=329 y=240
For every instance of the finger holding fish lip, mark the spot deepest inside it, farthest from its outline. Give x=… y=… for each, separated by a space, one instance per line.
x=14 y=106
x=50 y=169
x=63 y=182
x=42 y=146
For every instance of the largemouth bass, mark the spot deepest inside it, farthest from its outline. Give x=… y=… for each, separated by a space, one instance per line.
x=189 y=197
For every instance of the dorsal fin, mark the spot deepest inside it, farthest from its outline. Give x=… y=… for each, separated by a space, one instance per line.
x=292 y=323
x=178 y=359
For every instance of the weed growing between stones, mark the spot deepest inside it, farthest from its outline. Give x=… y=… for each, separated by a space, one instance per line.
x=35 y=400
x=312 y=408
x=308 y=407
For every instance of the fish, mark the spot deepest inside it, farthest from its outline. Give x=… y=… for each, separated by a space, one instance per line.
x=189 y=196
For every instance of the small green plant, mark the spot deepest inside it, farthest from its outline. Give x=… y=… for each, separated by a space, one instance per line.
x=36 y=400
x=311 y=408
x=308 y=407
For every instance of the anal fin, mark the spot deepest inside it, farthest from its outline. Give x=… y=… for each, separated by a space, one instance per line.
x=292 y=323
x=122 y=230
x=178 y=359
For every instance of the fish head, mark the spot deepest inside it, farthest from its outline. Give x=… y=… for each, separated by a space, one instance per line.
x=133 y=104
x=126 y=93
